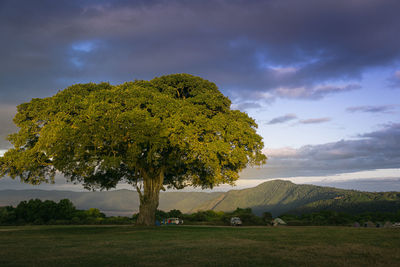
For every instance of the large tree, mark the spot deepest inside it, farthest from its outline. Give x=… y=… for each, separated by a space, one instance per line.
x=175 y=131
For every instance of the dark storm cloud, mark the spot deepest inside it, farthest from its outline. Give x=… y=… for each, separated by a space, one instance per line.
x=372 y=109
x=375 y=150
x=287 y=48
x=283 y=119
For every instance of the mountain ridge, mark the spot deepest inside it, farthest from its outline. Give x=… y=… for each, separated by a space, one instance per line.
x=276 y=196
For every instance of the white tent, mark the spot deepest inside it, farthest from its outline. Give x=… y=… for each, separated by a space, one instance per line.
x=278 y=221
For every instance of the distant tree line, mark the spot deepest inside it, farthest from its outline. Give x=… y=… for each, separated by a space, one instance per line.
x=325 y=217
x=36 y=211
x=211 y=217
x=329 y=217
x=223 y=218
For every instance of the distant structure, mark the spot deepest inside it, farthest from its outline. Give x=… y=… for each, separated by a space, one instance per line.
x=388 y=225
x=278 y=221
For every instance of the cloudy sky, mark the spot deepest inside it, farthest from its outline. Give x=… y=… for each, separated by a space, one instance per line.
x=321 y=78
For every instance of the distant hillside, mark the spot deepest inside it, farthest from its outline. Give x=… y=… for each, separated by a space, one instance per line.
x=355 y=202
x=119 y=202
x=280 y=197
x=275 y=196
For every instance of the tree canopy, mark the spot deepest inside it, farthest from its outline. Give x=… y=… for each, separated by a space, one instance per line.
x=175 y=130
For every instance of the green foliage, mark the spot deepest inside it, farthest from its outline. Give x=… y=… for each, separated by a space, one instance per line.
x=325 y=217
x=7 y=215
x=246 y=216
x=175 y=130
x=223 y=218
x=267 y=217
x=372 y=202
x=66 y=209
x=99 y=134
x=36 y=211
x=161 y=215
x=135 y=216
x=175 y=213
x=330 y=217
x=279 y=197
x=208 y=216
x=94 y=213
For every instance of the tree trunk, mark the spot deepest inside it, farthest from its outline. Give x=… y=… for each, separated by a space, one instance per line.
x=149 y=199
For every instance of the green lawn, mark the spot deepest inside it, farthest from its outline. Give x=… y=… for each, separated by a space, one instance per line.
x=198 y=246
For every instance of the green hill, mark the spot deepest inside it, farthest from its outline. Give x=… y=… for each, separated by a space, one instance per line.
x=280 y=197
x=355 y=202
x=275 y=196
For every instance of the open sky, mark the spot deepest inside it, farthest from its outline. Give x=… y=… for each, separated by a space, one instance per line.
x=321 y=78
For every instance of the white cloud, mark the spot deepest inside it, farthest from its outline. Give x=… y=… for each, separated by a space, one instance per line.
x=2 y=151
x=280 y=152
x=372 y=109
x=362 y=175
x=313 y=92
x=246 y=106
x=283 y=119
x=315 y=120
x=284 y=71
x=293 y=92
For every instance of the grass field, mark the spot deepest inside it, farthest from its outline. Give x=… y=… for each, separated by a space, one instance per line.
x=198 y=246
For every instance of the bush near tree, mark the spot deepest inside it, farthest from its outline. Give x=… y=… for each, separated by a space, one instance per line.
x=267 y=217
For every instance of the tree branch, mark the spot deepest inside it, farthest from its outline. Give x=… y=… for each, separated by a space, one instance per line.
x=139 y=192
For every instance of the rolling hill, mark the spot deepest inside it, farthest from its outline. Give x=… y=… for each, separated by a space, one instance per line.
x=275 y=196
x=279 y=197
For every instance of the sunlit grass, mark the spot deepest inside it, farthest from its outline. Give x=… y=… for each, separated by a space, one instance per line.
x=198 y=246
